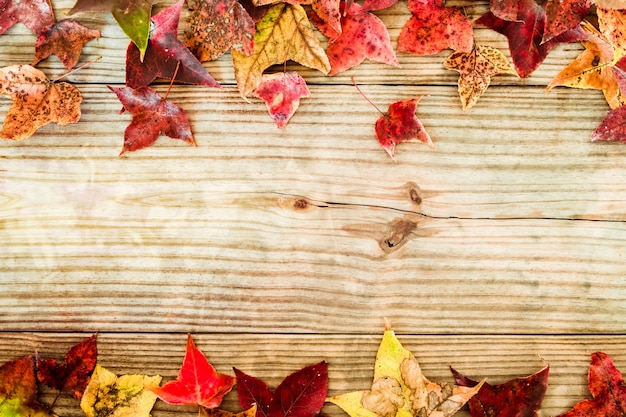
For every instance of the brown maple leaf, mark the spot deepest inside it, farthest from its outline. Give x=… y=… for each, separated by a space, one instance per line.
x=65 y=39
x=214 y=26
x=37 y=101
x=476 y=69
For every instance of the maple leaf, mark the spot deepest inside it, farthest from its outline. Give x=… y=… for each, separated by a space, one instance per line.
x=18 y=389
x=362 y=35
x=281 y=93
x=401 y=390
x=133 y=17
x=607 y=388
x=505 y=9
x=72 y=375
x=36 y=101
x=197 y=384
x=612 y=128
x=525 y=36
x=284 y=33
x=113 y=396
x=36 y=15
x=65 y=39
x=400 y=124
x=152 y=116
x=217 y=412
x=476 y=69
x=519 y=397
x=214 y=26
x=612 y=23
x=434 y=27
x=165 y=55
x=563 y=15
x=301 y=394
x=593 y=69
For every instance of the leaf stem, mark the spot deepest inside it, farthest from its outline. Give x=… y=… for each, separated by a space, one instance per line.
x=167 y=93
x=73 y=70
x=365 y=97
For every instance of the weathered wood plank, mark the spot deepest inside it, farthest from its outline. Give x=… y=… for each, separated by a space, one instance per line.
x=350 y=358
x=17 y=47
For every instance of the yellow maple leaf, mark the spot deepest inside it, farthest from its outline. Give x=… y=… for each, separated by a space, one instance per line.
x=37 y=101
x=284 y=33
x=476 y=69
x=401 y=390
x=594 y=67
x=113 y=396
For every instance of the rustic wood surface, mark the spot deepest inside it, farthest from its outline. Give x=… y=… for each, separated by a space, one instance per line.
x=499 y=251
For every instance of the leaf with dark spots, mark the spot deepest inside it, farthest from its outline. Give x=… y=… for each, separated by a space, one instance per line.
x=214 y=26
x=525 y=36
x=152 y=116
x=73 y=374
x=36 y=101
x=164 y=54
x=363 y=35
x=563 y=15
x=434 y=27
x=36 y=15
x=519 y=397
x=301 y=394
x=400 y=124
x=18 y=389
x=282 y=93
x=613 y=127
x=606 y=386
x=65 y=39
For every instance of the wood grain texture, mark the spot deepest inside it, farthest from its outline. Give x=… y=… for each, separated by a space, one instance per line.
x=350 y=359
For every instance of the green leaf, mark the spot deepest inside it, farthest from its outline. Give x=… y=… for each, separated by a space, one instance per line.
x=133 y=16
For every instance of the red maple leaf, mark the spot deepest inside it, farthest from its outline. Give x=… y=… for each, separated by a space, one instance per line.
x=400 y=124
x=434 y=27
x=363 y=35
x=519 y=397
x=152 y=116
x=563 y=15
x=607 y=388
x=163 y=55
x=301 y=394
x=18 y=389
x=65 y=39
x=612 y=128
x=505 y=9
x=525 y=36
x=282 y=93
x=74 y=373
x=36 y=15
x=197 y=384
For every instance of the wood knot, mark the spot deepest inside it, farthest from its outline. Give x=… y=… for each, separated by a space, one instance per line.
x=399 y=231
x=414 y=192
x=300 y=204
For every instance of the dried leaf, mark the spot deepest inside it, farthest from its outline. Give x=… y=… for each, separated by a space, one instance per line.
x=152 y=116
x=505 y=9
x=476 y=69
x=434 y=27
x=113 y=396
x=613 y=127
x=401 y=390
x=197 y=384
x=18 y=390
x=563 y=15
x=284 y=33
x=301 y=394
x=36 y=101
x=363 y=35
x=525 y=36
x=606 y=386
x=74 y=373
x=65 y=39
x=36 y=15
x=166 y=55
x=214 y=26
x=217 y=412
x=400 y=124
x=281 y=93
x=519 y=397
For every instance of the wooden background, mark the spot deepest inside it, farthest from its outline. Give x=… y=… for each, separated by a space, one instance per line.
x=497 y=252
